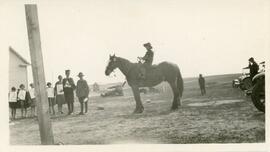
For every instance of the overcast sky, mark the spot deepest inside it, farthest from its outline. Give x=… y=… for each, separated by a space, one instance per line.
x=201 y=36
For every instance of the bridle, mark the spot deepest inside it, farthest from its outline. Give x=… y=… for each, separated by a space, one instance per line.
x=121 y=65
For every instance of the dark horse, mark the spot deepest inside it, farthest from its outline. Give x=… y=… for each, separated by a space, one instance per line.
x=155 y=74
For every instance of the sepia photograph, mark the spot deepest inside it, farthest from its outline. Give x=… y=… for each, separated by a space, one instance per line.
x=145 y=72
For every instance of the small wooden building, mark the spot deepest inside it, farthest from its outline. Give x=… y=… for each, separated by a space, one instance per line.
x=17 y=69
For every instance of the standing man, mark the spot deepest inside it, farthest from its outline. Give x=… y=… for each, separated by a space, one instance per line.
x=253 y=67
x=82 y=93
x=202 y=84
x=148 y=59
x=69 y=87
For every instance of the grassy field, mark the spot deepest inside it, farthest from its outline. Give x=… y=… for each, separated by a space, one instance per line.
x=224 y=115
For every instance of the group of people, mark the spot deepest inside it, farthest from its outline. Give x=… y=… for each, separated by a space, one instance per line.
x=253 y=70
x=82 y=92
x=61 y=93
x=20 y=98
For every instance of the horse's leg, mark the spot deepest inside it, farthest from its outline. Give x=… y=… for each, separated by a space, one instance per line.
x=139 y=107
x=176 y=99
x=179 y=101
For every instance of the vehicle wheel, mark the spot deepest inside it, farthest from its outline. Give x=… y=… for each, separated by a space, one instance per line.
x=258 y=96
x=233 y=84
x=247 y=83
x=241 y=86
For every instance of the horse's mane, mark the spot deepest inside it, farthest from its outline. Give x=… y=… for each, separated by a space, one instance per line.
x=123 y=59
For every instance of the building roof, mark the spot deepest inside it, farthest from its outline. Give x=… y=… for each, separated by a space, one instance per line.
x=18 y=55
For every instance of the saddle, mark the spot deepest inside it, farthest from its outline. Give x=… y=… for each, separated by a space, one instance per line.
x=145 y=70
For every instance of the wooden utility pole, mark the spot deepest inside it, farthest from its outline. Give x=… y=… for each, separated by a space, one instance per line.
x=45 y=127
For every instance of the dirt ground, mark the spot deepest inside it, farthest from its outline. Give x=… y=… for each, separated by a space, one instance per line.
x=224 y=115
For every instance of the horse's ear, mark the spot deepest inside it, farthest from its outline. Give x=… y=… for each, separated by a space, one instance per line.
x=114 y=55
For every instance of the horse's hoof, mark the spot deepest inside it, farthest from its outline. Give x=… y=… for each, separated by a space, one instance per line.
x=136 y=111
x=140 y=111
x=174 y=108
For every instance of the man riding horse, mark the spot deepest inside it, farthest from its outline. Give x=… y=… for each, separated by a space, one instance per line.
x=164 y=71
x=148 y=60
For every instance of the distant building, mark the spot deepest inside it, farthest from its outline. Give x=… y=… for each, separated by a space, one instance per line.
x=17 y=69
x=95 y=87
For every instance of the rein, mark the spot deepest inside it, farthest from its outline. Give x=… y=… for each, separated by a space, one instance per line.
x=125 y=67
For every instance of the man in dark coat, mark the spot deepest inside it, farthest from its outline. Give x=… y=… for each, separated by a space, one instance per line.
x=253 y=67
x=202 y=84
x=148 y=59
x=69 y=87
x=82 y=93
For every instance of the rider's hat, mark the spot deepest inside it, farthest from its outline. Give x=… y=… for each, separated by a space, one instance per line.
x=251 y=59
x=147 y=45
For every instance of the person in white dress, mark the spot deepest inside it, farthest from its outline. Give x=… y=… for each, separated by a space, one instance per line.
x=12 y=99
x=22 y=100
x=59 y=94
x=33 y=100
x=50 y=93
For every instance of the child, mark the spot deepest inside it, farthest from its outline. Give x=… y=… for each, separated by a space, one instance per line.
x=50 y=92
x=82 y=93
x=22 y=100
x=59 y=91
x=33 y=100
x=12 y=96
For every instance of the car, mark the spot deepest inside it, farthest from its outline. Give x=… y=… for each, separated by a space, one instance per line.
x=261 y=70
x=149 y=90
x=258 y=90
x=116 y=90
x=235 y=83
x=245 y=80
x=153 y=90
x=143 y=90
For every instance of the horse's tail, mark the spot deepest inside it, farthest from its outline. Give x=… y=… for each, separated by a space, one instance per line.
x=180 y=82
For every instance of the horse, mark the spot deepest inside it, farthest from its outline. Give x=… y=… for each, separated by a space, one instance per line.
x=155 y=74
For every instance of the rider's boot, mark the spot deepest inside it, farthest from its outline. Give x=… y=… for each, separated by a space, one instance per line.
x=143 y=73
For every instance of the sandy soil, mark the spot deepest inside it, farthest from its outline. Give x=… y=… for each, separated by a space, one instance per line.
x=224 y=115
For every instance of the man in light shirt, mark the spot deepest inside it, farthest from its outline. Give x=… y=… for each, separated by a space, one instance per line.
x=22 y=100
x=50 y=93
